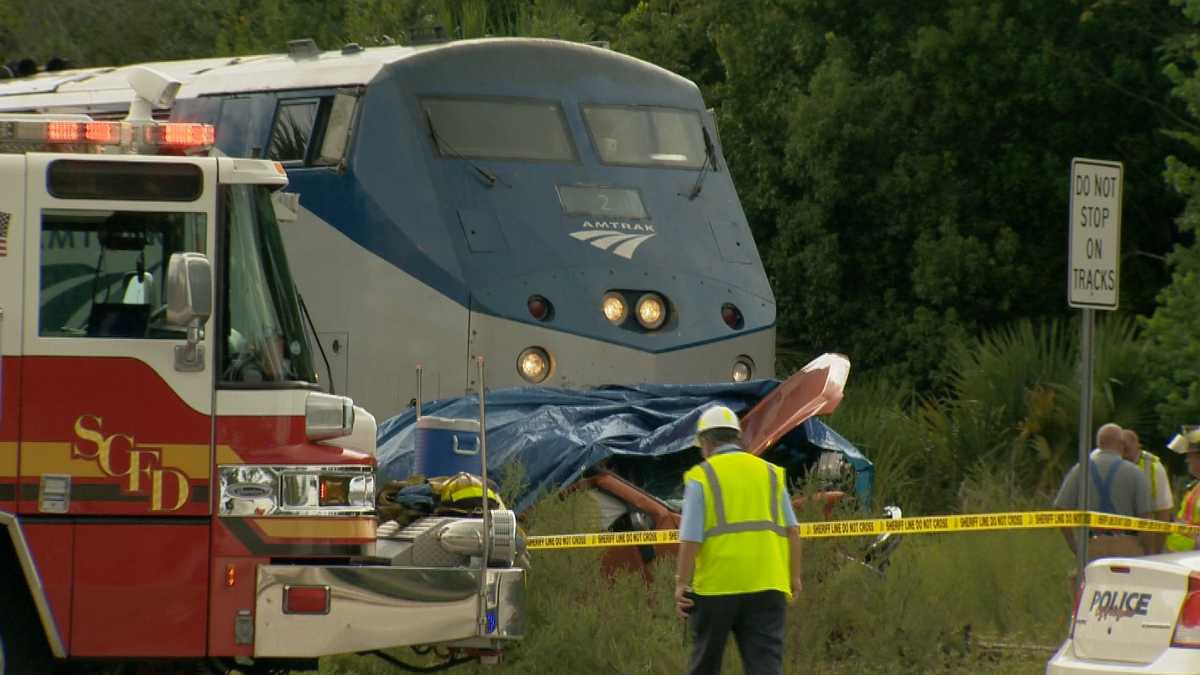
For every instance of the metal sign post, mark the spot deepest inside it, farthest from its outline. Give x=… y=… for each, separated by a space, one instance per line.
x=487 y=505
x=1093 y=282
x=1086 y=362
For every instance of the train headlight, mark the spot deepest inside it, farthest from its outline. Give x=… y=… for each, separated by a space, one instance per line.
x=651 y=311
x=533 y=365
x=743 y=369
x=614 y=308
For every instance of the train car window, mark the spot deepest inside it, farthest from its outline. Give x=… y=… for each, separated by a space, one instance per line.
x=339 y=127
x=646 y=136
x=102 y=272
x=293 y=130
x=601 y=201
x=499 y=129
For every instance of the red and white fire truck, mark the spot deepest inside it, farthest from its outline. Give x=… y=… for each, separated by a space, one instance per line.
x=174 y=486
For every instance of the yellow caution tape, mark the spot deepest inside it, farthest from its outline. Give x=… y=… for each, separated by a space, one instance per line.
x=603 y=539
x=1017 y=520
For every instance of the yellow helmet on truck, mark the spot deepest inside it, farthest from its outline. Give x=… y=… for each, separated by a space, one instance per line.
x=462 y=493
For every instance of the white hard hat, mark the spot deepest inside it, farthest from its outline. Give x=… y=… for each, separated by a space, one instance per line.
x=1186 y=441
x=717 y=417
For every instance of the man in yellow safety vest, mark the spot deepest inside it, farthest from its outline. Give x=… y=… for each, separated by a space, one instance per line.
x=739 y=551
x=1161 y=499
x=1155 y=472
x=1187 y=443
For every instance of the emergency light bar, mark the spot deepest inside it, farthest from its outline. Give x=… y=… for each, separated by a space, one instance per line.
x=24 y=133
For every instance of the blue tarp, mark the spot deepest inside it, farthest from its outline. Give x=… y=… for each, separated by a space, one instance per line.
x=557 y=434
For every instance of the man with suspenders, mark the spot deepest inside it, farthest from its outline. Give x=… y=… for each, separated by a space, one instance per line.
x=739 y=551
x=1117 y=487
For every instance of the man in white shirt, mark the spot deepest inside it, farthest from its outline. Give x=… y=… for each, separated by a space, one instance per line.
x=1152 y=467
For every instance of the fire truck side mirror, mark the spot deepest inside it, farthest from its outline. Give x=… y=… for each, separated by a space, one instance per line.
x=189 y=289
x=189 y=304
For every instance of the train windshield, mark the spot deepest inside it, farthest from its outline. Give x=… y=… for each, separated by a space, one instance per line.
x=499 y=129
x=646 y=136
x=264 y=340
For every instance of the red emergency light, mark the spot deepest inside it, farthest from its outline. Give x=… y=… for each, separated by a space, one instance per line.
x=62 y=132
x=104 y=133
x=93 y=133
x=181 y=135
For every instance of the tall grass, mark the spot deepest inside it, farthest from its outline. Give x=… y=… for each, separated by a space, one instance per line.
x=997 y=438
x=941 y=595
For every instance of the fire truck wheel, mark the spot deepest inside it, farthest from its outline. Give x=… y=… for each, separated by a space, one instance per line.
x=22 y=646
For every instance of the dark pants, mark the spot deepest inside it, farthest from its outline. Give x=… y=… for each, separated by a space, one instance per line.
x=757 y=623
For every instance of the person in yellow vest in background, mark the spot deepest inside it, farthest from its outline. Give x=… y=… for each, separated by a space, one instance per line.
x=739 y=551
x=1152 y=467
x=1187 y=443
x=1155 y=472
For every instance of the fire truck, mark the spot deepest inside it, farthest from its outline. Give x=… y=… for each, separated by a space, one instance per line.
x=174 y=485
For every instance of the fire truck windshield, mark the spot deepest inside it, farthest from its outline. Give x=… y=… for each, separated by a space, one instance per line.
x=263 y=339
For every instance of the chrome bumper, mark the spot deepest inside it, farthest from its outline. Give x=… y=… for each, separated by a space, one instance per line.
x=378 y=607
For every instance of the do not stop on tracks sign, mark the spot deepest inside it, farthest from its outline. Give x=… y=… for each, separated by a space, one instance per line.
x=1093 y=282
x=1094 y=269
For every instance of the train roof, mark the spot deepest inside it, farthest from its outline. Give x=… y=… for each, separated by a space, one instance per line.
x=263 y=72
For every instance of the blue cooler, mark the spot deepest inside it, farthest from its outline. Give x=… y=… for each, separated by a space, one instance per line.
x=445 y=447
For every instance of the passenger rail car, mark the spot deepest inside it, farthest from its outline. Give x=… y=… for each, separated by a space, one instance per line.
x=561 y=209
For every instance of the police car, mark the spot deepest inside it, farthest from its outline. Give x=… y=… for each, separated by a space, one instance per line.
x=1135 y=615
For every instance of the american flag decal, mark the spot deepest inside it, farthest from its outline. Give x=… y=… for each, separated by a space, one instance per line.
x=4 y=218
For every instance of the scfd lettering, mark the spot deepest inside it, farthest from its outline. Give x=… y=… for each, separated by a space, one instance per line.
x=140 y=465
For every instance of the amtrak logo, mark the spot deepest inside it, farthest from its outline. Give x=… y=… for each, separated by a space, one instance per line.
x=619 y=238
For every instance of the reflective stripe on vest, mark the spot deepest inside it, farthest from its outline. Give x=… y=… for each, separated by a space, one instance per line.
x=1187 y=510
x=1187 y=515
x=1147 y=467
x=473 y=491
x=723 y=526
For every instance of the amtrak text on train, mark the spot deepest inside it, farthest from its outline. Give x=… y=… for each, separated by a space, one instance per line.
x=613 y=225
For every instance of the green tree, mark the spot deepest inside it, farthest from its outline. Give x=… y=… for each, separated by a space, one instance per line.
x=1174 y=350
x=114 y=32
x=904 y=170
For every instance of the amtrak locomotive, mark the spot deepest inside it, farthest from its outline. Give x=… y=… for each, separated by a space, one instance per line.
x=561 y=209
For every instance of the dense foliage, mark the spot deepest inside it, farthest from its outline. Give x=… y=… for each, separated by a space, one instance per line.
x=903 y=166
x=1173 y=350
